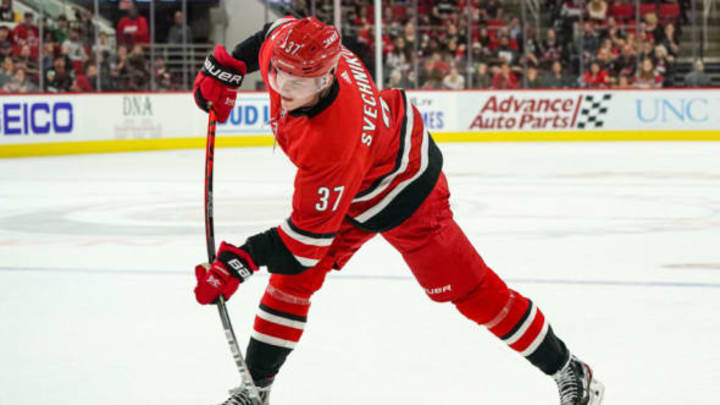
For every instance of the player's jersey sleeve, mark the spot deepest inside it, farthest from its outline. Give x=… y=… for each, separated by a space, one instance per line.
x=324 y=189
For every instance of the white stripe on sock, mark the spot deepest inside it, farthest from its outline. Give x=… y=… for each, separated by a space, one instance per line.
x=538 y=340
x=280 y=320
x=520 y=332
x=272 y=340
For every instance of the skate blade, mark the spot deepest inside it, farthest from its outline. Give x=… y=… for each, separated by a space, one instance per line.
x=597 y=391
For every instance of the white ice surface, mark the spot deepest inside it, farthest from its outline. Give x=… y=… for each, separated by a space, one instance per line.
x=619 y=244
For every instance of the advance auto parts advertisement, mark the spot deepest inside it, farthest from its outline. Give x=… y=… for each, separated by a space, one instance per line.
x=590 y=110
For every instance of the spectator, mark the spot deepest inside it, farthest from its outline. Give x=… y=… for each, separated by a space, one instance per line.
x=49 y=55
x=61 y=32
x=595 y=77
x=505 y=79
x=607 y=61
x=6 y=11
x=102 y=45
x=555 y=79
x=652 y=28
x=26 y=33
x=664 y=65
x=397 y=58
x=398 y=80
x=484 y=38
x=669 y=40
x=5 y=36
x=590 y=41
x=58 y=79
x=531 y=80
x=439 y=64
x=30 y=63
x=504 y=53
x=442 y=10
x=76 y=49
x=626 y=62
x=597 y=10
x=133 y=28
x=698 y=77
x=647 y=77
x=550 y=49
x=178 y=29
x=19 y=83
x=85 y=81
x=6 y=50
x=435 y=81
x=493 y=9
x=139 y=75
x=163 y=78
x=454 y=81
x=119 y=69
x=623 y=83
x=7 y=71
x=482 y=78
x=647 y=51
x=410 y=36
x=84 y=23
x=515 y=29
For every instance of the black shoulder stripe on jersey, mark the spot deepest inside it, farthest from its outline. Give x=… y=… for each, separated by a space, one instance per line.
x=282 y=314
x=322 y=105
x=398 y=158
x=519 y=323
x=267 y=249
x=308 y=233
x=408 y=201
x=248 y=50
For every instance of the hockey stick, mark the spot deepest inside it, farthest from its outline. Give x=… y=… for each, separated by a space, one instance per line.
x=246 y=378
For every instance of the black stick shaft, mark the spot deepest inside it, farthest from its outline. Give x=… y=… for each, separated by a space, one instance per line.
x=210 y=240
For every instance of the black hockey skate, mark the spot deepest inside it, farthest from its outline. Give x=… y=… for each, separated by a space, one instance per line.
x=241 y=396
x=577 y=384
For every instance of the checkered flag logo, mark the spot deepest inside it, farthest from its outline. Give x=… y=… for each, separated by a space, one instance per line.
x=593 y=110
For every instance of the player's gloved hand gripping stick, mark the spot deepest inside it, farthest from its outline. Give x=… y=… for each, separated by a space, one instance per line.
x=217 y=267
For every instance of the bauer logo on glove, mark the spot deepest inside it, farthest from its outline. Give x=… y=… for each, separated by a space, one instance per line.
x=217 y=82
x=232 y=266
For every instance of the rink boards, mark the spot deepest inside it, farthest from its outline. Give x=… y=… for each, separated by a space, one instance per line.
x=53 y=124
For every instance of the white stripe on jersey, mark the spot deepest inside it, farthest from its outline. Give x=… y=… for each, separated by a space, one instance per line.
x=306 y=262
x=538 y=340
x=280 y=320
x=424 y=159
x=272 y=340
x=307 y=240
x=405 y=158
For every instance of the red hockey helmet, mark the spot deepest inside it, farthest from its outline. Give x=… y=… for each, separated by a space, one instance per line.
x=308 y=48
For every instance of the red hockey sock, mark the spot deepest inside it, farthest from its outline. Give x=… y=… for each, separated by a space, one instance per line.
x=516 y=320
x=279 y=324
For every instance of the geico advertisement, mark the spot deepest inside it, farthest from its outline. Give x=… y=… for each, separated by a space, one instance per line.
x=589 y=110
x=21 y=117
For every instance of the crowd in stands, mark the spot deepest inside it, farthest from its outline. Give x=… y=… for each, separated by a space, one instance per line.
x=72 y=59
x=441 y=44
x=457 y=44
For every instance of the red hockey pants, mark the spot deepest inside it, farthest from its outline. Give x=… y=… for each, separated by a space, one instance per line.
x=441 y=258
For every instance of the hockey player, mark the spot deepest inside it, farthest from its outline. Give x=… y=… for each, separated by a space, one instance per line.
x=366 y=165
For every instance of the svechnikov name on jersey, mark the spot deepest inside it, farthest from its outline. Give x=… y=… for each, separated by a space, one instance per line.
x=370 y=99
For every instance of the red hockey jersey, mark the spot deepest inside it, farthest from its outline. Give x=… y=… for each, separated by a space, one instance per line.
x=361 y=155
